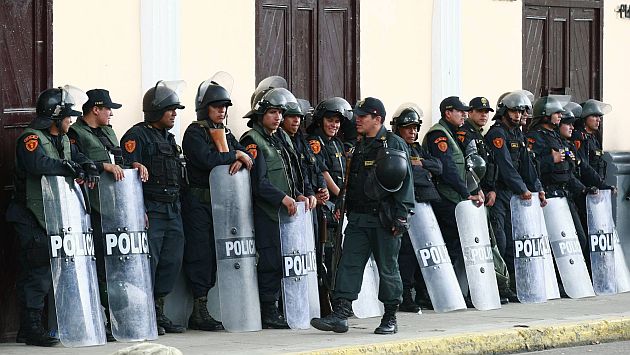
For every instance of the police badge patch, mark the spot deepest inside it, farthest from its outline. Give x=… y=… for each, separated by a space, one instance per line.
x=315 y=146
x=252 y=150
x=32 y=144
x=130 y=146
x=498 y=142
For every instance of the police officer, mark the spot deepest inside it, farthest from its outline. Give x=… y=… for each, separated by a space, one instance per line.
x=471 y=130
x=93 y=136
x=441 y=141
x=516 y=172
x=207 y=143
x=276 y=183
x=150 y=143
x=585 y=135
x=43 y=148
x=328 y=117
x=379 y=198
x=406 y=124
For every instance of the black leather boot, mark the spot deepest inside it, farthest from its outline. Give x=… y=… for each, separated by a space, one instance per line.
x=162 y=319
x=408 y=304
x=388 y=322
x=337 y=321
x=35 y=332
x=271 y=317
x=422 y=298
x=200 y=319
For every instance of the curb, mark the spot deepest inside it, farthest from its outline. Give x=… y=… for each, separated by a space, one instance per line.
x=502 y=341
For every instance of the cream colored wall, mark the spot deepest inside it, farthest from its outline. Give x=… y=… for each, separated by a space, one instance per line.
x=96 y=44
x=218 y=36
x=396 y=53
x=615 y=76
x=491 y=48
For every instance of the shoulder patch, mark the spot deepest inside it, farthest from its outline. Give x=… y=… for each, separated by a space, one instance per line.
x=315 y=146
x=30 y=137
x=252 y=149
x=498 y=142
x=442 y=146
x=531 y=140
x=31 y=144
x=130 y=146
x=461 y=136
x=578 y=144
x=440 y=139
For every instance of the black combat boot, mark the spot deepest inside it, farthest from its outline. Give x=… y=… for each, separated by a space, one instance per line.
x=35 y=333
x=337 y=321
x=162 y=319
x=388 y=322
x=422 y=299
x=407 y=304
x=271 y=317
x=200 y=319
x=507 y=293
x=108 y=327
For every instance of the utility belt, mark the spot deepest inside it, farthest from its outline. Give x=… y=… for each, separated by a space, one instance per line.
x=202 y=193
x=367 y=208
x=167 y=195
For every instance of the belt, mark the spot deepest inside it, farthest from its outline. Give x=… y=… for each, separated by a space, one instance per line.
x=161 y=197
x=370 y=209
x=202 y=193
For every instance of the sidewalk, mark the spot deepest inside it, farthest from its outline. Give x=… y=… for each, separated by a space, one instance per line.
x=515 y=327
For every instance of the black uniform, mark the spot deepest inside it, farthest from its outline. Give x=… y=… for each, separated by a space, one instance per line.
x=516 y=174
x=202 y=156
x=157 y=151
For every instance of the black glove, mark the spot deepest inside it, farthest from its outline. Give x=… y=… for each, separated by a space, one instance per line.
x=591 y=190
x=75 y=169
x=400 y=225
x=91 y=173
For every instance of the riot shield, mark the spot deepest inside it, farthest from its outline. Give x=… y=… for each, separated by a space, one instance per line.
x=73 y=267
x=472 y=224
x=295 y=274
x=127 y=264
x=367 y=304
x=237 y=280
x=601 y=243
x=551 y=282
x=566 y=249
x=311 y=267
x=529 y=262
x=621 y=267
x=435 y=263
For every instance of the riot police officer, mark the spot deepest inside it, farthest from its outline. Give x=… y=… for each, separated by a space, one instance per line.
x=516 y=172
x=441 y=141
x=379 y=198
x=276 y=183
x=329 y=150
x=585 y=135
x=43 y=148
x=406 y=124
x=150 y=143
x=207 y=143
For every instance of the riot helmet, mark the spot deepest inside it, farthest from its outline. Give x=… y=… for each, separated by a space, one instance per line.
x=520 y=100
x=388 y=174
x=407 y=114
x=270 y=82
x=593 y=107
x=548 y=105
x=54 y=104
x=160 y=98
x=334 y=106
x=214 y=91
x=572 y=111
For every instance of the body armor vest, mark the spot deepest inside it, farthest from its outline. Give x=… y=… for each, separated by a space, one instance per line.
x=160 y=155
x=458 y=158
x=92 y=146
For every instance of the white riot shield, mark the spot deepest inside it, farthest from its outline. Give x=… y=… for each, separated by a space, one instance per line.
x=472 y=224
x=232 y=214
x=127 y=264
x=566 y=249
x=435 y=263
x=367 y=304
x=601 y=242
x=551 y=282
x=311 y=267
x=529 y=238
x=295 y=271
x=77 y=303
x=621 y=267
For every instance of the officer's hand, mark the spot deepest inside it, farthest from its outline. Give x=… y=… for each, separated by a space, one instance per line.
x=235 y=167
x=115 y=170
x=399 y=226
x=290 y=204
x=143 y=173
x=146 y=221
x=312 y=202
x=91 y=174
x=527 y=195
x=541 y=197
x=491 y=198
x=613 y=189
x=477 y=199
x=322 y=196
x=593 y=190
x=245 y=159
x=74 y=169
x=417 y=162
x=306 y=201
x=557 y=156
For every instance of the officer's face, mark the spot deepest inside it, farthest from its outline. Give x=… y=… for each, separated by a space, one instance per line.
x=102 y=115
x=566 y=130
x=330 y=125
x=271 y=119
x=217 y=113
x=65 y=124
x=167 y=121
x=409 y=133
x=592 y=123
x=368 y=124
x=455 y=117
x=555 y=118
x=514 y=117
x=479 y=117
x=291 y=124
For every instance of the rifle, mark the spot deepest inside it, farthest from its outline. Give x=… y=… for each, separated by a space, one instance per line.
x=338 y=237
